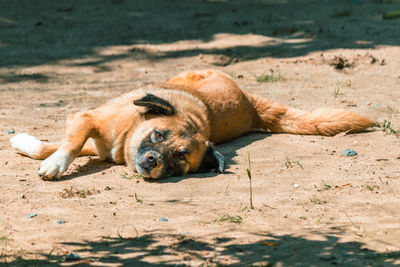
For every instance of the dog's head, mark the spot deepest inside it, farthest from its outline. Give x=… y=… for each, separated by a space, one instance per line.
x=168 y=144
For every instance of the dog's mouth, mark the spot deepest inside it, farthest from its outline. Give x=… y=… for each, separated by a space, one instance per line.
x=154 y=173
x=150 y=165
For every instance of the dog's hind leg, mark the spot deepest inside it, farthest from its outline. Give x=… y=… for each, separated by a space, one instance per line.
x=34 y=148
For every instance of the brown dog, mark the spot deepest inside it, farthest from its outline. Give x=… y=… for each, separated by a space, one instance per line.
x=168 y=130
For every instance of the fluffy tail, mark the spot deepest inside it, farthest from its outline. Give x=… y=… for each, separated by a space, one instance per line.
x=278 y=118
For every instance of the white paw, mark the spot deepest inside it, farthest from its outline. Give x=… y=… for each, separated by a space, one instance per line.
x=55 y=165
x=26 y=144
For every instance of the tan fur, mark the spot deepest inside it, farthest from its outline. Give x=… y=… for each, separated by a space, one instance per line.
x=210 y=108
x=235 y=112
x=278 y=118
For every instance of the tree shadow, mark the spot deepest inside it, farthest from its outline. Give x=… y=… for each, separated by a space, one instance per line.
x=268 y=250
x=12 y=77
x=39 y=32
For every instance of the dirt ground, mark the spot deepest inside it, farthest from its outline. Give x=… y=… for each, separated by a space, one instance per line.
x=312 y=206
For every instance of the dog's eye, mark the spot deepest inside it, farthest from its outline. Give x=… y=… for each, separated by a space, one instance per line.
x=157 y=137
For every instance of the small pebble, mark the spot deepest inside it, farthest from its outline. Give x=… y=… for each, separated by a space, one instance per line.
x=349 y=152
x=163 y=219
x=59 y=103
x=31 y=215
x=10 y=131
x=60 y=221
x=73 y=257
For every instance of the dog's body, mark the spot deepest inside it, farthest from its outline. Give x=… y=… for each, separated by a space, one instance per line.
x=167 y=130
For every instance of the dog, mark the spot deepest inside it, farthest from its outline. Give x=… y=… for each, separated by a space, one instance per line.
x=170 y=129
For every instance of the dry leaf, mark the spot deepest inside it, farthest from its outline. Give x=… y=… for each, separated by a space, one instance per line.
x=341 y=134
x=270 y=244
x=382 y=159
x=343 y=185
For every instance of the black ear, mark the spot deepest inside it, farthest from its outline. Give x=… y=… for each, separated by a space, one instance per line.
x=212 y=160
x=155 y=105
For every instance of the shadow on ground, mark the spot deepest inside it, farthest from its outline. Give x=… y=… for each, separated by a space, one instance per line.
x=228 y=150
x=93 y=165
x=38 y=32
x=286 y=250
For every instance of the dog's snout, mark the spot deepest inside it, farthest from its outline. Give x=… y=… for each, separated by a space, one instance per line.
x=149 y=161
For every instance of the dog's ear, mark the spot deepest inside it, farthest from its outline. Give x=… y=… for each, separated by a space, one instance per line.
x=155 y=105
x=212 y=160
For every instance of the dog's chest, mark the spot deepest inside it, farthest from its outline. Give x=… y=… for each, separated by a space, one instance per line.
x=109 y=152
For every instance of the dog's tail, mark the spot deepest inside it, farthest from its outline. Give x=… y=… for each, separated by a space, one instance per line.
x=278 y=118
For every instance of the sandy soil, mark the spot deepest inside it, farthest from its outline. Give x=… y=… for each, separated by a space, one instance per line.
x=312 y=206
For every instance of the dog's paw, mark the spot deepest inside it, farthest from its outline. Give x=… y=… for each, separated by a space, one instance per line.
x=55 y=165
x=26 y=144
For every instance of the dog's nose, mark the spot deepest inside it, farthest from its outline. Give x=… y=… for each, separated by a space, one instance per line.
x=148 y=161
x=151 y=160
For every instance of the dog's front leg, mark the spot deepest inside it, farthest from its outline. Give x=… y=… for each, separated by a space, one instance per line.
x=79 y=129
